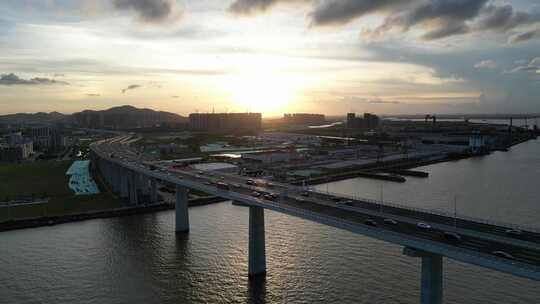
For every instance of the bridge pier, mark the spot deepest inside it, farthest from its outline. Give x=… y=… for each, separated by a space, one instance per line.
x=257 y=253
x=112 y=177
x=182 y=215
x=117 y=178
x=153 y=190
x=133 y=197
x=432 y=275
x=124 y=183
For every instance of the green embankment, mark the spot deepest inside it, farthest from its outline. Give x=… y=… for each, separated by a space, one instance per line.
x=45 y=179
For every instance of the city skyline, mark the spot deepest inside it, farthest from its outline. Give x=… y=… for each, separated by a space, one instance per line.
x=274 y=57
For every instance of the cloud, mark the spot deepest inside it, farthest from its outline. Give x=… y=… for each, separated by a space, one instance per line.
x=93 y=95
x=376 y=100
x=175 y=96
x=446 y=31
x=441 y=18
x=250 y=7
x=151 y=11
x=131 y=87
x=12 y=79
x=533 y=66
x=504 y=18
x=339 y=12
x=438 y=18
x=521 y=37
x=486 y=64
x=381 y=101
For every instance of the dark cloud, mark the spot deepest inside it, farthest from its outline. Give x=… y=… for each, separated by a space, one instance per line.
x=447 y=10
x=59 y=75
x=441 y=18
x=437 y=18
x=131 y=87
x=249 y=7
x=525 y=36
x=504 y=18
x=445 y=18
x=151 y=11
x=93 y=95
x=175 y=96
x=338 y=12
x=12 y=79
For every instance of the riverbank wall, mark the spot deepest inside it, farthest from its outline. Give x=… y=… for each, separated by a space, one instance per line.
x=117 y=212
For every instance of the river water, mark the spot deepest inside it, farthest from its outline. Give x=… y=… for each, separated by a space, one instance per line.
x=139 y=259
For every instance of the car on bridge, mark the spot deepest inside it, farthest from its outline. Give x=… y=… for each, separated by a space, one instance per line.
x=503 y=254
x=390 y=221
x=270 y=197
x=452 y=236
x=371 y=222
x=514 y=232
x=423 y=226
x=223 y=186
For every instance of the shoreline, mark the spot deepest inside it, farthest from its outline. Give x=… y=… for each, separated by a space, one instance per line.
x=371 y=172
x=127 y=211
x=117 y=212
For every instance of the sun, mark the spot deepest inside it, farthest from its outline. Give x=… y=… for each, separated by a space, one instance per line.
x=265 y=84
x=268 y=93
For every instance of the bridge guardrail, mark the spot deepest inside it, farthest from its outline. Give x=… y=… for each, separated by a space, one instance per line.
x=425 y=243
x=435 y=212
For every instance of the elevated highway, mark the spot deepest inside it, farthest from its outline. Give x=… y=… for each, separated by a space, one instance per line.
x=423 y=234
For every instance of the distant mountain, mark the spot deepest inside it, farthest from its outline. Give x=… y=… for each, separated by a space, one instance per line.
x=123 y=117
x=35 y=118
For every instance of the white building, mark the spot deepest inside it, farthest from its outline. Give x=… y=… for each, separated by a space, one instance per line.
x=215 y=167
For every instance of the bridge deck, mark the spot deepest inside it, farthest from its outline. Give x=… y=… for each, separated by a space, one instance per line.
x=476 y=247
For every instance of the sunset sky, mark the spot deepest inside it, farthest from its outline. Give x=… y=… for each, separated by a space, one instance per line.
x=273 y=56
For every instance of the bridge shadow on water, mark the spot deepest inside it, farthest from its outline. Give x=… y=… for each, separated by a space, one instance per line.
x=182 y=246
x=256 y=293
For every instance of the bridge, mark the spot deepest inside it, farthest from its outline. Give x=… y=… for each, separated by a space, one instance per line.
x=424 y=234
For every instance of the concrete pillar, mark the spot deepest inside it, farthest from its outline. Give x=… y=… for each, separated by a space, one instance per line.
x=145 y=185
x=432 y=276
x=117 y=179
x=153 y=190
x=256 y=254
x=124 y=183
x=133 y=197
x=182 y=215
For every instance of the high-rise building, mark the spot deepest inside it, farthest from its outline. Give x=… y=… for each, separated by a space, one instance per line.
x=46 y=138
x=219 y=122
x=369 y=121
